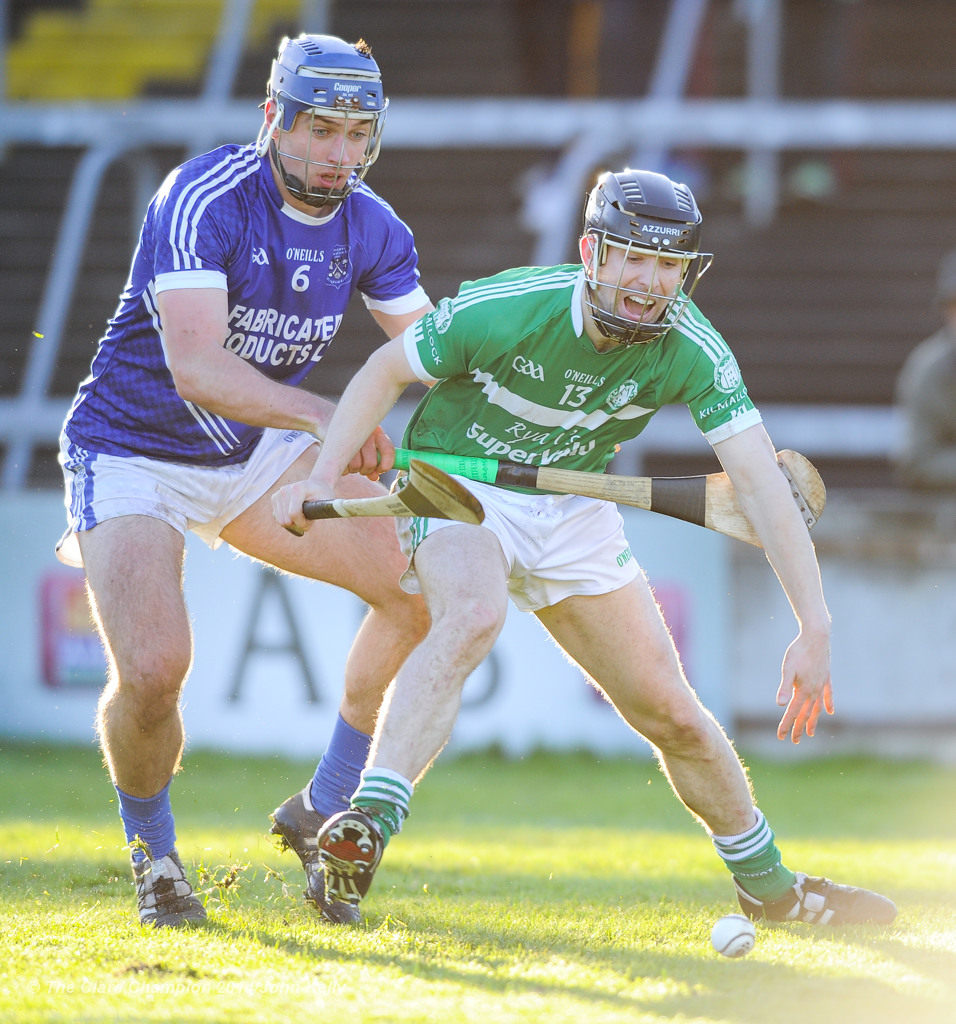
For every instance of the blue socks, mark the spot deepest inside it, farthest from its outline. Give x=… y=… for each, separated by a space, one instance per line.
x=337 y=775
x=151 y=820
x=336 y=779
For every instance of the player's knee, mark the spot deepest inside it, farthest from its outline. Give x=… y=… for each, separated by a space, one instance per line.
x=473 y=623
x=153 y=684
x=682 y=731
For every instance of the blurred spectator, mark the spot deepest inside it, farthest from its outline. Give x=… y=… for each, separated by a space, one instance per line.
x=926 y=394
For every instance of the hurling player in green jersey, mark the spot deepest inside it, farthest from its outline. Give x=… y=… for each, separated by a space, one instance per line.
x=558 y=365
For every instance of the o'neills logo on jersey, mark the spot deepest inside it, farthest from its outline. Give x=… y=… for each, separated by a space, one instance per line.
x=584 y=378
x=622 y=395
x=305 y=255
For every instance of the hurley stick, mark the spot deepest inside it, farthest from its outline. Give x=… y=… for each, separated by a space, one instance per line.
x=707 y=500
x=427 y=492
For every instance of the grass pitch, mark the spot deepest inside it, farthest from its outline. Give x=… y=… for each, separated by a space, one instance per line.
x=553 y=889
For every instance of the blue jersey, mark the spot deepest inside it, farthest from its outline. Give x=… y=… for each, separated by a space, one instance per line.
x=219 y=221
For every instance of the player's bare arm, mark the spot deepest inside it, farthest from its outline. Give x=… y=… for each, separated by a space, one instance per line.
x=369 y=396
x=194 y=328
x=206 y=373
x=805 y=688
x=394 y=324
x=377 y=454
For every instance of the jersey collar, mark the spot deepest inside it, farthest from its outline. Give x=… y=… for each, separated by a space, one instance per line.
x=290 y=211
x=304 y=218
x=577 y=304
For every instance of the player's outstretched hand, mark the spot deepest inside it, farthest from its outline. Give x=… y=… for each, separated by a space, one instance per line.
x=805 y=687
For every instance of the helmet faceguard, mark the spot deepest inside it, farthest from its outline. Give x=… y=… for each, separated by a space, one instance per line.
x=323 y=77
x=641 y=212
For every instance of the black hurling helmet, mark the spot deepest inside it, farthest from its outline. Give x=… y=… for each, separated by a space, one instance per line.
x=323 y=76
x=645 y=212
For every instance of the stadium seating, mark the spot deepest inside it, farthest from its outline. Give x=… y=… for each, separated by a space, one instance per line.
x=821 y=306
x=102 y=50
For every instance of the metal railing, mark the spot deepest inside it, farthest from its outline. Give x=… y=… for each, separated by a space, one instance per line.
x=761 y=125
x=32 y=416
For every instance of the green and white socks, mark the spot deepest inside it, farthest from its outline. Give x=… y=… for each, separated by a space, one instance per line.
x=751 y=856
x=755 y=861
x=384 y=796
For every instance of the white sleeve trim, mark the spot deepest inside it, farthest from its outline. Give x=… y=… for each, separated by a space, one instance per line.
x=736 y=426
x=396 y=307
x=411 y=354
x=191 y=279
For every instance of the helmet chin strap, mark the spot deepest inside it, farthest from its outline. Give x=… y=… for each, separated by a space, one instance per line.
x=597 y=255
x=625 y=332
x=267 y=131
x=297 y=187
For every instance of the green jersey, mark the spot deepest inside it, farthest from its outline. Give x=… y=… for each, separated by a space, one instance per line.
x=514 y=375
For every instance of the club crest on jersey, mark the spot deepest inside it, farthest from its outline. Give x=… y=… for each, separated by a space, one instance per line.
x=622 y=395
x=339 y=268
x=260 y=257
x=442 y=316
x=727 y=375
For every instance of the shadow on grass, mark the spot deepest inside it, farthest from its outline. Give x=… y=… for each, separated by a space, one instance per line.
x=491 y=933
x=682 y=985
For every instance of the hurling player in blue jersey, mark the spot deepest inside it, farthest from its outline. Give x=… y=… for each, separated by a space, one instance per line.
x=192 y=415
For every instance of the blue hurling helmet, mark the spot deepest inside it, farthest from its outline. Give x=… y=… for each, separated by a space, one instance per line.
x=323 y=76
x=645 y=212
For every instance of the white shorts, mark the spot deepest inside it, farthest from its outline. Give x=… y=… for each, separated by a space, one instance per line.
x=198 y=498
x=556 y=545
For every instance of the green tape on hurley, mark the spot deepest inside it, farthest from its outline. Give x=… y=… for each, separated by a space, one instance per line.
x=471 y=468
